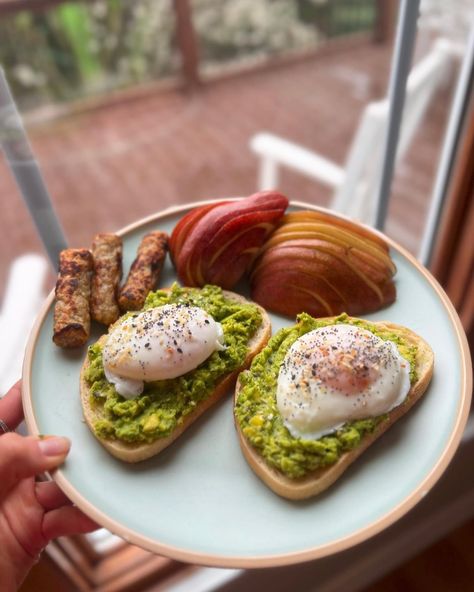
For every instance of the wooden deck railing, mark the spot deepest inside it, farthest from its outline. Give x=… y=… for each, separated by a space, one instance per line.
x=187 y=43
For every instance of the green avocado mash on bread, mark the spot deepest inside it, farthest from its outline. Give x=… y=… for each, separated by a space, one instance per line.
x=165 y=405
x=261 y=423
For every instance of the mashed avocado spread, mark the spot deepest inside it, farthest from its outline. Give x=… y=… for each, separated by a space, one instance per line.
x=163 y=404
x=259 y=418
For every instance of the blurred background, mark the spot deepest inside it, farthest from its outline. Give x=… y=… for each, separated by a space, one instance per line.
x=135 y=106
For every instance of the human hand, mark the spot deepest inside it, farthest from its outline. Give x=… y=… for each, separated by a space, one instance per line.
x=31 y=513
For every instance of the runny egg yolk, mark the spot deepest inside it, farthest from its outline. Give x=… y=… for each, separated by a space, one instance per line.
x=158 y=344
x=336 y=374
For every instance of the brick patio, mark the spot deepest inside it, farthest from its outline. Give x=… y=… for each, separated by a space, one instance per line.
x=108 y=166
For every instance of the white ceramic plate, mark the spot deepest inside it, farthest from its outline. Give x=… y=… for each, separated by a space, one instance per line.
x=199 y=502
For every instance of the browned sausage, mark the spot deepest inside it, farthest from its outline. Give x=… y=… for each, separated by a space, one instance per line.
x=73 y=287
x=107 y=255
x=145 y=271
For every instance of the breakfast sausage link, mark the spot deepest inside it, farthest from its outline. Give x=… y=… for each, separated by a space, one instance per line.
x=107 y=255
x=145 y=271
x=73 y=287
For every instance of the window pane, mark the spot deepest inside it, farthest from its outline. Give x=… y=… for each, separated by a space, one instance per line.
x=304 y=70
x=78 y=49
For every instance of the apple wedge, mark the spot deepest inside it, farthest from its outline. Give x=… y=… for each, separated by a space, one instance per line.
x=322 y=265
x=217 y=243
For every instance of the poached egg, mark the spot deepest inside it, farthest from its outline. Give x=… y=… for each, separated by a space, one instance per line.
x=336 y=374
x=157 y=344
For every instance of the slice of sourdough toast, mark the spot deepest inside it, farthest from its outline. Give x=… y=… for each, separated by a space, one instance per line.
x=320 y=479
x=135 y=452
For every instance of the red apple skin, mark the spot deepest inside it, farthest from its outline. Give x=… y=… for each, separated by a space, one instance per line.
x=281 y=297
x=203 y=232
x=362 y=231
x=319 y=277
x=206 y=239
x=180 y=231
x=235 y=246
x=369 y=265
x=289 y=294
x=374 y=268
x=337 y=266
x=265 y=220
x=235 y=257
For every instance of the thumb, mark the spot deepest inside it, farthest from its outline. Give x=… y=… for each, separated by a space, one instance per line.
x=25 y=457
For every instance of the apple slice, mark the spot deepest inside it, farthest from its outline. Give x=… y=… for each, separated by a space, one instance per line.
x=336 y=234
x=334 y=221
x=324 y=266
x=217 y=244
x=181 y=229
x=241 y=250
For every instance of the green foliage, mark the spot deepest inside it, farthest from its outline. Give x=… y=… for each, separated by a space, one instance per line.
x=338 y=17
x=77 y=49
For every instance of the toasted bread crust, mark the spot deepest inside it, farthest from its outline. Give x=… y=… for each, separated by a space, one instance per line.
x=320 y=479
x=129 y=452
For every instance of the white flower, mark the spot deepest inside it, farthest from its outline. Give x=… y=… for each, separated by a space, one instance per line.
x=28 y=77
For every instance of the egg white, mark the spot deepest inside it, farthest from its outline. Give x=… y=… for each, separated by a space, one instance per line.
x=336 y=374
x=158 y=344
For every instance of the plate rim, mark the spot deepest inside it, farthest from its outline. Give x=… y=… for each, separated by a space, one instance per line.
x=279 y=559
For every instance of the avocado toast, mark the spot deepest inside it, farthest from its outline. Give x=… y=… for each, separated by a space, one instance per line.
x=138 y=428
x=295 y=467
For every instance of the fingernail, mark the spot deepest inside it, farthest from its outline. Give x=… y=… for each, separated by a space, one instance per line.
x=54 y=446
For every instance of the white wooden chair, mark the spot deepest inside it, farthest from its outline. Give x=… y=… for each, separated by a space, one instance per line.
x=24 y=294
x=355 y=185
